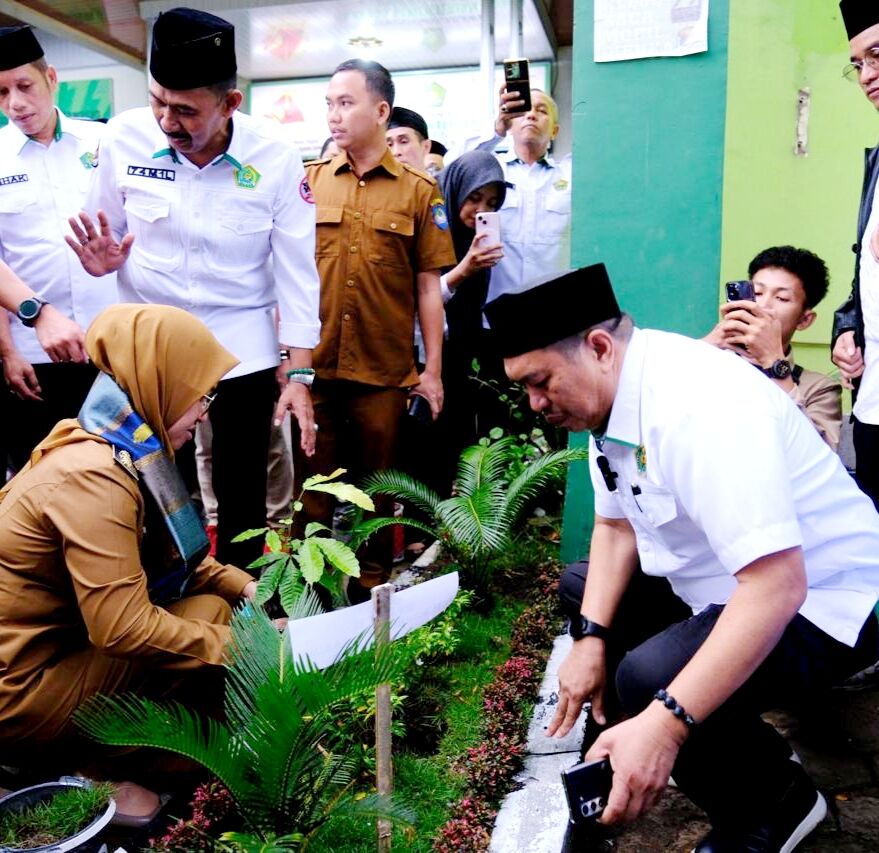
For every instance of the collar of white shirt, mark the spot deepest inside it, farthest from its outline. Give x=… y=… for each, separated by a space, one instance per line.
x=234 y=153
x=624 y=424
x=65 y=125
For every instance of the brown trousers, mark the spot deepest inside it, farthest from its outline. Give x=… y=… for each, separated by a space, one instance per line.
x=43 y=733
x=357 y=429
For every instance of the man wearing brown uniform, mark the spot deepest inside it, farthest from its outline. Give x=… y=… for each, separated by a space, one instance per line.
x=381 y=226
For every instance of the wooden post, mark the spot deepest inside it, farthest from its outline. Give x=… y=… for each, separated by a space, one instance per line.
x=384 y=770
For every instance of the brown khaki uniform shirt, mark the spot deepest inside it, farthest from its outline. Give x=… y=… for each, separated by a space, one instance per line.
x=820 y=399
x=374 y=234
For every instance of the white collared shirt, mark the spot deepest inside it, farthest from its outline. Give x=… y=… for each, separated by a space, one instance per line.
x=866 y=406
x=41 y=186
x=716 y=467
x=535 y=223
x=225 y=242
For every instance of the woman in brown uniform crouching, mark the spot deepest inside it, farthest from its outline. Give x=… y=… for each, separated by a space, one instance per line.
x=104 y=581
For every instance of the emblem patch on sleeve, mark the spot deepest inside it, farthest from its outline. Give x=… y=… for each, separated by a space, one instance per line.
x=246 y=177
x=439 y=215
x=305 y=191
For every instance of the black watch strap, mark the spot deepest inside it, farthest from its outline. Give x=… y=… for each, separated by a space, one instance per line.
x=582 y=627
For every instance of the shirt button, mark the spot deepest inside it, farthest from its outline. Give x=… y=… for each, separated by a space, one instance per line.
x=358 y=215
x=350 y=282
x=362 y=183
x=346 y=316
x=352 y=249
x=394 y=225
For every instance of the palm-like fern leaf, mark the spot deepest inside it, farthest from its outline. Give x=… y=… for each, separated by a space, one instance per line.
x=484 y=463
x=535 y=477
x=364 y=529
x=404 y=487
x=475 y=519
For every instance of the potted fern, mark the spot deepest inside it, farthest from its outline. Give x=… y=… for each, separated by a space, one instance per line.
x=271 y=750
x=495 y=484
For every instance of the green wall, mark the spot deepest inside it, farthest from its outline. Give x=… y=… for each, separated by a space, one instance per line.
x=770 y=195
x=648 y=170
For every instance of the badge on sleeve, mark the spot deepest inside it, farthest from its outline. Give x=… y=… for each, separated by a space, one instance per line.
x=305 y=191
x=439 y=215
x=246 y=177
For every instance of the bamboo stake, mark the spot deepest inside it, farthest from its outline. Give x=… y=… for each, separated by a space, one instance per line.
x=384 y=770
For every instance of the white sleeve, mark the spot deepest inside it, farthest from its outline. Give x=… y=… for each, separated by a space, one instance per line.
x=297 y=285
x=447 y=294
x=606 y=504
x=103 y=192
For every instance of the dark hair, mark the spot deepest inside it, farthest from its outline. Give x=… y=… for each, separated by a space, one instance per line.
x=223 y=88
x=378 y=78
x=805 y=265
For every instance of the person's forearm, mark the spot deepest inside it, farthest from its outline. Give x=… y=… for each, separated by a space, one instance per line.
x=7 y=346
x=430 y=317
x=13 y=291
x=299 y=357
x=768 y=595
x=613 y=559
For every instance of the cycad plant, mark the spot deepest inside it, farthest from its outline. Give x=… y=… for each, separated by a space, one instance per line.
x=271 y=750
x=492 y=490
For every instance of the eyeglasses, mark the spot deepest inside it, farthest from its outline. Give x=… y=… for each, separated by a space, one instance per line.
x=853 y=70
x=207 y=399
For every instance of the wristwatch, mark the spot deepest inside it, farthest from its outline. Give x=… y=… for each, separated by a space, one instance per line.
x=779 y=369
x=583 y=627
x=30 y=309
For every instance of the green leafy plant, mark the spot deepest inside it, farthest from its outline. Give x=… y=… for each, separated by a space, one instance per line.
x=56 y=819
x=476 y=524
x=291 y=565
x=270 y=752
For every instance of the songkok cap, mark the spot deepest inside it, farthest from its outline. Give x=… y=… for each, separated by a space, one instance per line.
x=401 y=117
x=552 y=311
x=192 y=49
x=18 y=46
x=438 y=148
x=859 y=15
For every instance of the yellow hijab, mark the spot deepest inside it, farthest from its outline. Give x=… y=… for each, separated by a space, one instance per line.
x=163 y=358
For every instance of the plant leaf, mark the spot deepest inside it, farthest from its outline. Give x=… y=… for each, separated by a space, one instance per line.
x=323 y=478
x=314 y=527
x=345 y=492
x=404 y=487
x=271 y=577
x=273 y=541
x=250 y=534
x=339 y=554
x=311 y=560
x=535 y=477
x=289 y=591
x=365 y=529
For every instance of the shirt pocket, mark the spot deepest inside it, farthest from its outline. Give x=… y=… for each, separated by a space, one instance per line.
x=18 y=200
x=156 y=245
x=390 y=239
x=328 y=221
x=240 y=234
x=555 y=216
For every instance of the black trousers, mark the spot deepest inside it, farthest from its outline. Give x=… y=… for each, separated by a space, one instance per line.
x=865 y=438
x=63 y=387
x=241 y=420
x=733 y=765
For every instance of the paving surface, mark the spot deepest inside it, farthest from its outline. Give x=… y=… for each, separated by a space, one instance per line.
x=838 y=742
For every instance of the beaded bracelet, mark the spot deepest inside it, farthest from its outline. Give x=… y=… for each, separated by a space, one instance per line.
x=301 y=375
x=678 y=710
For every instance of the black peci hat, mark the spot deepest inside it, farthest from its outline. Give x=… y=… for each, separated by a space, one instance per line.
x=401 y=117
x=18 y=46
x=552 y=311
x=859 y=15
x=191 y=49
x=438 y=148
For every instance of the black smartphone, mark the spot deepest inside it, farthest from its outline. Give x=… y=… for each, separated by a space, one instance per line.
x=419 y=409
x=587 y=786
x=518 y=79
x=740 y=290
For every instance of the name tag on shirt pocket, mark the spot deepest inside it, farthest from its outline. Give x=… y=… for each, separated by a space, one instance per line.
x=328 y=221
x=390 y=238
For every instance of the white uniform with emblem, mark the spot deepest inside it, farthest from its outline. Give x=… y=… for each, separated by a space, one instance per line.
x=712 y=480
x=40 y=188
x=225 y=242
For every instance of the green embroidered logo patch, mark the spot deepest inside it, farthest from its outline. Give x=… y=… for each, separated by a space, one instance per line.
x=246 y=177
x=89 y=159
x=641 y=458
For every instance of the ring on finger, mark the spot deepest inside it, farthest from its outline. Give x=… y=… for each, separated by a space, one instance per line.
x=503 y=108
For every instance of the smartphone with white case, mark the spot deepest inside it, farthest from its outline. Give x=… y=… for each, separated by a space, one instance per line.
x=489 y=223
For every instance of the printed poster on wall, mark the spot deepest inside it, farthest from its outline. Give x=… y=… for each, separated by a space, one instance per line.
x=637 y=29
